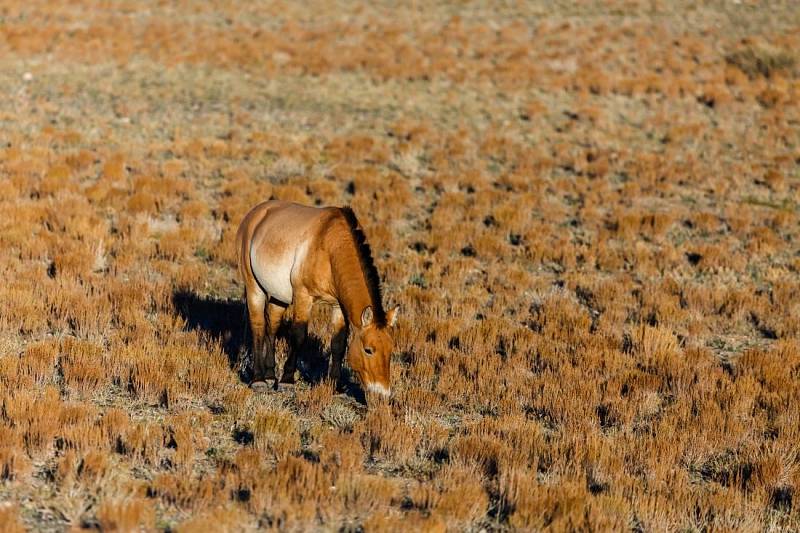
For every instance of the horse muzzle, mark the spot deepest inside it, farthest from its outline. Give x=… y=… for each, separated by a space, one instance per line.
x=381 y=389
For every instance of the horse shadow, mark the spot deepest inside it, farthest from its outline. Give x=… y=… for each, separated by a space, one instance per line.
x=225 y=321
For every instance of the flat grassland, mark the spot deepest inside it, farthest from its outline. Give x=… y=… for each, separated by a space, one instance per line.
x=588 y=214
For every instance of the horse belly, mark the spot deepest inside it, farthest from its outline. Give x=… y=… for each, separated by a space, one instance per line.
x=275 y=271
x=274 y=274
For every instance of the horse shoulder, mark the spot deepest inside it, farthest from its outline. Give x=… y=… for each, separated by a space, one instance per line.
x=316 y=272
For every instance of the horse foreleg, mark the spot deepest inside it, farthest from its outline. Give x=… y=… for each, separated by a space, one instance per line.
x=301 y=304
x=338 y=346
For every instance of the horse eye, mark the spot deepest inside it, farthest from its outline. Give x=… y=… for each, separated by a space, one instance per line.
x=368 y=351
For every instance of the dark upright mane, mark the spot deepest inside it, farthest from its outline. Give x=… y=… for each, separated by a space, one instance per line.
x=367 y=266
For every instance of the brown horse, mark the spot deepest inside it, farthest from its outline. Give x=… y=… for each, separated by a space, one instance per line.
x=300 y=255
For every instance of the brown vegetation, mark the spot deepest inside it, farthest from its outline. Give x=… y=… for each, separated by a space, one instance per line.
x=588 y=216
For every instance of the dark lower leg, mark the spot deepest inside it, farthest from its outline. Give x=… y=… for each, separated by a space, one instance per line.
x=263 y=345
x=263 y=358
x=267 y=358
x=299 y=331
x=338 y=348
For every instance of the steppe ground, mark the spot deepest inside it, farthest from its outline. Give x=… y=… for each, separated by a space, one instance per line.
x=587 y=211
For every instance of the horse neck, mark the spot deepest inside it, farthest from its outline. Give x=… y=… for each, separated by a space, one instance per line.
x=348 y=278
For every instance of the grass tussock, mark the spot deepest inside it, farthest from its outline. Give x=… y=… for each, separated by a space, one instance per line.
x=766 y=61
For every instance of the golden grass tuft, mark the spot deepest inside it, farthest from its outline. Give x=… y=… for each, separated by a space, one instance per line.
x=143 y=442
x=463 y=502
x=127 y=514
x=236 y=401
x=82 y=365
x=275 y=432
x=183 y=491
x=364 y=494
x=341 y=452
x=10 y=521
x=389 y=436
x=39 y=361
x=316 y=399
x=14 y=463
x=225 y=519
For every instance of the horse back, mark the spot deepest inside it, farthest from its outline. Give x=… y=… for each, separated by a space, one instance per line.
x=280 y=246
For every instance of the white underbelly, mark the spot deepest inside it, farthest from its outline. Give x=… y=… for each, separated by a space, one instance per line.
x=274 y=272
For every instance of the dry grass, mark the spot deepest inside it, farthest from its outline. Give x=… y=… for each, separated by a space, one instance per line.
x=588 y=215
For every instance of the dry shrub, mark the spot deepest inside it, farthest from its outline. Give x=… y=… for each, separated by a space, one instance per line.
x=178 y=244
x=114 y=168
x=173 y=167
x=126 y=514
x=463 y=502
x=82 y=365
x=39 y=361
x=340 y=416
x=78 y=428
x=514 y=488
x=36 y=417
x=363 y=494
x=194 y=210
x=143 y=202
x=564 y=505
x=181 y=436
x=14 y=463
x=396 y=521
x=420 y=398
x=484 y=453
x=558 y=318
x=94 y=468
x=183 y=491
x=291 y=494
x=225 y=519
x=66 y=468
x=772 y=368
x=341 y=452
x=316 y=399
x=761 y=60
x=389 y=437
x=657 y=348
x=10 y=521
x=11 y=372
x=434 y=437
x=275 y=432
x=205 y=373
x=79 y=309
x=153 y=375
x=236 y=401
x=143 y=442
x=244 y=474
x=77 y=262
x=115 y=424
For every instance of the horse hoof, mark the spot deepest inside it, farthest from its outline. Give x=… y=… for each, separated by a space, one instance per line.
x=259 y=386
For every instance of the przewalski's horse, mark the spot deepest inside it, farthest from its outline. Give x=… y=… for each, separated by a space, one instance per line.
x=300 y=255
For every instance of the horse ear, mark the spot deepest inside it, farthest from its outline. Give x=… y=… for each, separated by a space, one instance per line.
x=366 y=316
x=391 y=316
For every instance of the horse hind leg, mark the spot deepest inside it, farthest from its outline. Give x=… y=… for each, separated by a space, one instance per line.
x=263 y=343
x=274 y=317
